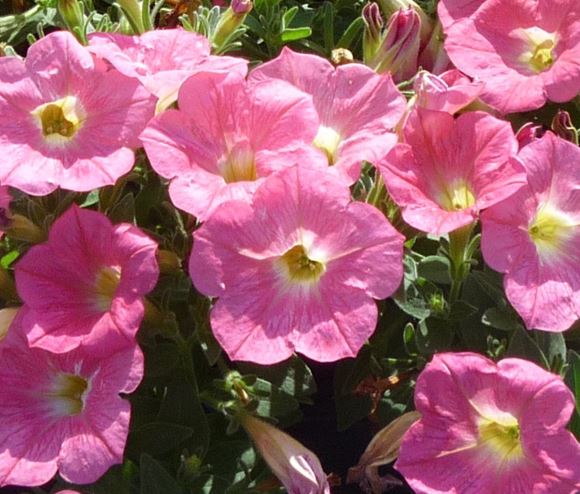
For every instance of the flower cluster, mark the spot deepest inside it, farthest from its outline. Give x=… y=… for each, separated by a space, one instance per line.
x=299 y=188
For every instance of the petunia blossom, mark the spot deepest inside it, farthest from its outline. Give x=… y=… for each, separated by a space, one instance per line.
x=162 y=59
x=526 y=51
x=66 y=122
x=487 y=428
x=62 y=411
x=227 y=136
x=296 y=270
x=534 y=236
x=358 y=109
x=87 y=282
x=452 y=11
x=449 y=169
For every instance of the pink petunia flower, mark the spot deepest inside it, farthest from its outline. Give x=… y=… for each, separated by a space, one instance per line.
x=296 y=270
x=66 y=123
x=452 y=11
x=526 y=51
x=227 y=136
x=534 y=236
x=86 y=283
x=449 y=169
x=162 y=59
x=488 y=428
x=358 y=108
x=63 y=411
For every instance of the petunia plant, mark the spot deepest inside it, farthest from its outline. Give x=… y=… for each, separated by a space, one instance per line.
x=268 y=246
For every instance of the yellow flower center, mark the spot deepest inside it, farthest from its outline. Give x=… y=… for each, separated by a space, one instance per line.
x=503 y=438
x=296 y=267
x=59 y=120
x=457 y=196
x=239 y=165
x=67 y=394
x=328 y=140
x=539 y=56
x=106 y=282
x=550 y=230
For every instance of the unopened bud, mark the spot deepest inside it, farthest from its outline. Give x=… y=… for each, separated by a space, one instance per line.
x=400 y=48
x=433 y=57
x=528 y=133
x=73 y=16
x=563 y=127
x=374 y=23
x=133 y=12
x=230 y=21
x=296 y=467
x=389 y=7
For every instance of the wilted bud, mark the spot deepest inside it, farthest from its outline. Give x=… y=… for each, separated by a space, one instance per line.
x=529 y=133
x=296 y=467
x=450 y=92
x=7 y=315
x=383 y=449
x=341 y=56
x=400 y=48
x=563 y=127
x=372 y=37
x=230 y=21
x=21 y=228
x=72 y=15
x=433 y=57
x=389 y=7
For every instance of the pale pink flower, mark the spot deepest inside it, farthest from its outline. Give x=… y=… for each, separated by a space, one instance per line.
x=66 y=123
x=358 y=108
x=297 y=270
x=62 y=411
x=450 y=92
x=534 y=236
x=526 y=51
x=227 y=136
x=487 y=428
x=86 y=283
x=449 y=169
x=162 y=59
x=297 y=467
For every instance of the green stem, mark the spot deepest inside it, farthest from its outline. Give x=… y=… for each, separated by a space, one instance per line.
x=460 y=255
x=376 y=192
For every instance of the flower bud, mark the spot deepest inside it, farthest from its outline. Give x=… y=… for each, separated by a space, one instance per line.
x=374 y=23
x=400 y=48
x=433 y=57
x=563 y=127
x=230 y=21
x=389 y=7
x=296 y=467
x=132 y=11
x=383 y=449
x=21 y=228
x=72 y=15
x=529 y=133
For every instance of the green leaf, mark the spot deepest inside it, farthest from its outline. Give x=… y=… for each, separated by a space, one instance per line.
x=491 y=282
x=9 y=258
x=351 y=33
x=573 y=382
x=295 y=33
x=553 y=347
x=124 y=210
x=433 y=335
x=460 y=311
x=157 y=438
x=272 y=402
x=500 y=318
x=351 y=409
x=522 y=345
x=155 y=479
x=435 y=268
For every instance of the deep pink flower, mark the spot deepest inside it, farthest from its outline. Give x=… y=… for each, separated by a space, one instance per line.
x=488 y=428
x=297 y=270
x=358 y=109
x=526 y=51
x=162 y=59
x=449 y=169
x=449 y=92
x=227 y=136
x=66 y=123
x=63 y=411
x=87 y=282
x=534 y=236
